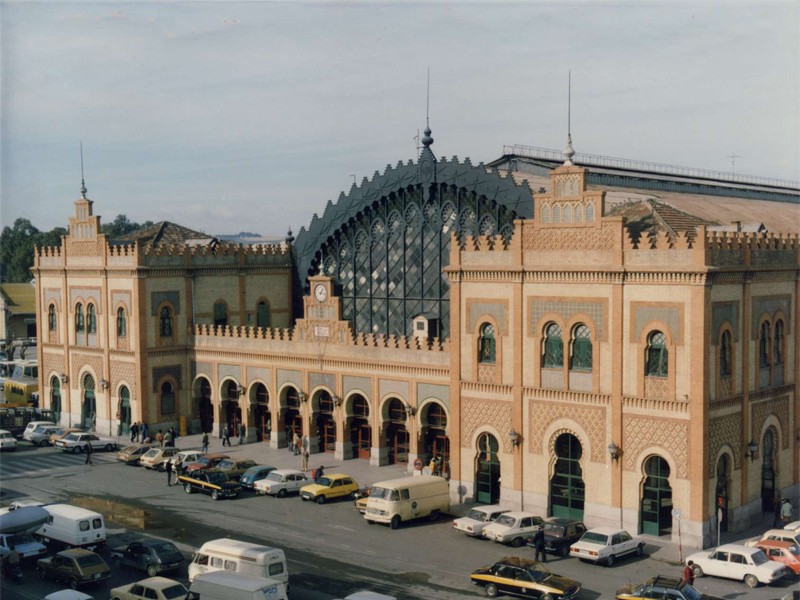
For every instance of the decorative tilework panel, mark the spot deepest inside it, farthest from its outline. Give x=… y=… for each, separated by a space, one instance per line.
x=591 y=419
x=430 y=390
x=156 y=298
x=477 y=413
x=642 y=432
x=81 y=360
x=669 y=315
x=721 y=431
x=567 y=309
x=261 y=373
x=202 y=368
x=53 y=296
x=124 y=297
x=486 y=373
x=234 y=371
x=494 y=309
x=326 y=379
x=656 y=388
x=169 y=370
x=771 y=306
x=53 y=363
x=350 y=383
x=294 y=377
x=123 y=372
x=761 y=410
x=721 y=313
x=396 y=388
x=772 y=257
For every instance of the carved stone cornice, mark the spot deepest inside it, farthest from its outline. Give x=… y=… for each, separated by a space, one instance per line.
x=565 y=396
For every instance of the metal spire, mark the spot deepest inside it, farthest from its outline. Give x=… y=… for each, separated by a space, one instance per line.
x=83 y=184
x=569 y=152
x=427 y=140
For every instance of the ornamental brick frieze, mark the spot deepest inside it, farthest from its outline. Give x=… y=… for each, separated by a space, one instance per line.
x=477 y=413
x=123 y=372
x=642 y=432
x=79 y=361
x=591 y=419
x=88 y=248
x=722 y=431
x=571 y=238
x=760 y=411
x=52 y=363
x=173 y=371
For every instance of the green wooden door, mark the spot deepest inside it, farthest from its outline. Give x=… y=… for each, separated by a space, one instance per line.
x=657 y=498
x=487 y=480
x=567 y=492
x=88 y=406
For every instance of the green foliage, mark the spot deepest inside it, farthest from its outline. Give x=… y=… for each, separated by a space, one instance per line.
x=121 y=225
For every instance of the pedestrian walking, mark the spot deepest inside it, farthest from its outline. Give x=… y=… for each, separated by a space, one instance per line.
x=134 y=432
x=296 y=444
x=304 y=456
x=159 y=439
x=538 y=546
x=204 y=449
x=168 y=443
x=786 y=512
x=226 y=436
x=688 y=575
x=320 y=472
x=776 y=508
x=242 y=433
x=168 y=469
x=145 y=431
x=88 y=450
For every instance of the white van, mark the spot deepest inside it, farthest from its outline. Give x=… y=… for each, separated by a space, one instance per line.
x=408 y=498
x=31 y=427
x=224 y=585
x=72 y=526
x=240 y=557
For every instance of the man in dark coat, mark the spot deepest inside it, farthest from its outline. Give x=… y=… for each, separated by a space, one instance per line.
x=88 y=451
x=538 y=546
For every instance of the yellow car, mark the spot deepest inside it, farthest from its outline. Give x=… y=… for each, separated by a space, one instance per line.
x=336 y=485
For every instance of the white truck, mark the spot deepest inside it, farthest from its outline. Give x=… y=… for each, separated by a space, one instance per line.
x=227 y=585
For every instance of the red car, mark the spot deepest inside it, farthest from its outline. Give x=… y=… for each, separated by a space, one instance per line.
x=209 y=461
x=782 y=552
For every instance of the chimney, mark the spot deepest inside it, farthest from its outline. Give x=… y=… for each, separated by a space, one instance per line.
x=737 y=224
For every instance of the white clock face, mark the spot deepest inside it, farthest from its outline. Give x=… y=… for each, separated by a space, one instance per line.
x=320 y=293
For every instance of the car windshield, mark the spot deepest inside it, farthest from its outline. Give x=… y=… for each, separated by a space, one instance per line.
x=274 y=477
x=595 y=538
x=174 y=591
x=5 y=435
x=60 y=431
x=556 y=530
x=217 y=477
x=538 y=571
x=226 y=464
x=690 y=593
x=204 y=461
x=72 y=437
x=794 y=550
x=505 y=521
x=759 y=558
x=90 y=560
x=15 y=540
x=384 y=494
x=164 y=548
x=324 y=481
x=40 y=429
x=477 y=515
x=151 y=453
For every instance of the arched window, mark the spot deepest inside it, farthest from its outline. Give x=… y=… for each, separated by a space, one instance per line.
x=725 y=357
x=80 y=326
x=51 y=318
x=763 y=346
x=397 y=411
x=292 y=398
x=262 y=314
x=325 y=402
x=656 y=362
x=545 y=214
x=262 y=396
x=91 y=319
x=165 y=322
x=486 y=344
x=581 y=348
x=436 y=415
x=590 y=212
x=567 y=213
x=167 y=398
x=777 y=351
x=578 y=213
x=360 y=406
x=122 y=323
x=553 y=347
x=556 y=214
x=220 y=313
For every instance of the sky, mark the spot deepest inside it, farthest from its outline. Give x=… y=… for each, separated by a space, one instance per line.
x=231 y=116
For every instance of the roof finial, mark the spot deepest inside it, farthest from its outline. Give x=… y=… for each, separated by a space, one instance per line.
x=569 y=152
x=83 y=184
x=289 y=237
x=427 y=140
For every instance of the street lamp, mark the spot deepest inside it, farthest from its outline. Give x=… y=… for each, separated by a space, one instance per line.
x=303 y=397
x=751 y=447
x=410 y=409
x=63 y=377
x=337 y=400
x=613 y=450
x=514 y=437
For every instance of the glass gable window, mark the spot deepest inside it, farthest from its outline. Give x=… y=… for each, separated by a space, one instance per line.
x=91 y=319
x=657 y=364
x=486 y=344
x=122 y=323
x=165 y=322
x=777 y=352
x=51 y=317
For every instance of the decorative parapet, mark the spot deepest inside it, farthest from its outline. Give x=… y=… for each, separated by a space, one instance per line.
x=243 y=332
x=566 y=396
x=218 y=250
x=650 y=404
x=485 y=243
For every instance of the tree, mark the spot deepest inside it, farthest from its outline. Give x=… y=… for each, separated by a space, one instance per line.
x=121 y=225
x=16 y=249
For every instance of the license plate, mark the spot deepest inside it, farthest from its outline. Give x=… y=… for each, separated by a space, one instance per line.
x=34 y=553
x=98 y=575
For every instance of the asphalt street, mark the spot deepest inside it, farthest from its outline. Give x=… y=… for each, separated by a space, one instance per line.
x=331 y=550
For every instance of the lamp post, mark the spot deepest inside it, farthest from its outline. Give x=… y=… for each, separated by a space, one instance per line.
x=513 y=436
x=752 y=447
x=613 y=450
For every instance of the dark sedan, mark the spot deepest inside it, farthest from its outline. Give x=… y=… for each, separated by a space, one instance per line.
x=560 y=534
x=211 y=482
x=153 y=556
x=673 y=588
x=522 y=577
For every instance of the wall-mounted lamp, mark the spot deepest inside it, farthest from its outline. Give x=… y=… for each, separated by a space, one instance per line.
x=613 y=450
x=103 y=384
x=303 y=397
x=410 y=409
x=337 y=400
x=798 y=434
x=514 y=437
x=63 y=377
x=751 y=453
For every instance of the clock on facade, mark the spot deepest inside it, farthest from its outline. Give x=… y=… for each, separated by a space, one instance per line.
x=320 y=293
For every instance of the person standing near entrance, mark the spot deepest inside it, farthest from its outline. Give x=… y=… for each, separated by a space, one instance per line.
x=296 y=444
x=776 y=507
x=204 y=449
x=134 y=432
x=538 y=546
x=145 y=431
x=159 y=439
x=304 y=456
x=226 y=436
x=242 y=433
x=168 y=443
x=168 y=469
x=88 y=450
x=786 y=512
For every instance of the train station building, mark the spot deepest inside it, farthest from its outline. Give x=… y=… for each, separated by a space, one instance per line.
x=574 y=336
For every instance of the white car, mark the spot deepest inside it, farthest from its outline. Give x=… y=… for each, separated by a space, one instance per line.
x=281 y=482
x=77 y=442
x=513 y=528
x=478 y=518
x=41 y=435
x=780 y=535
x=605 y=545
x=8 y=443
x=734 y=561
x=184 y=458
x=793 y=526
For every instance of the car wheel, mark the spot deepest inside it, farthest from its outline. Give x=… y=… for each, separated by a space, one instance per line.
x=76 y=450
x=434 y=516
x=282 y=493
x=73 y=583
x=639 y=549
x=564 y=552
x=320 y=499
x=161 y=468
x=490 y=590
x=610 y=560
x=751 y=581
x=545 y=597
x=516 y=542
x=697 y=570
x=395 y=522
x=215 y=495
x=370 y=522
x=303 y=498
x=352 y=495
x=108 y=447
x=43 y=443
x=187 y=488
x=152 y=571
x=42 y=573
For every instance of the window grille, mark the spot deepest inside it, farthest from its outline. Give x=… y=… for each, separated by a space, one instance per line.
x=656 y=364
x=486 y=345
x=581 y=348
x=553 y=347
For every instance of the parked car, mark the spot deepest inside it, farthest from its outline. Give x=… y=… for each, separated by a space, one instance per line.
x=335 y=485
x=281 y=482
x=734 y=561
x=234 y=468
x=397 y=500
x=23 y=543
x=75 y=567
x=367 y=595
x=210 y=481
x=41 y=435
x=74 y=526
x=244 y=558
x=207 y=461
x=77 y=442
x=478 y=518
x=782 y=535
x=560 y=534
x=154 y=588
x=254 y=474
x=669 y=588
x=182 y=459
x=131 y=455
x=783 y=552
x=361 y=499
x=62 y=432
x=153 y=556
x=156 y=457
x=523 y=577
x=8 y=443
x=513 y=528
x=606 y=544
x=68 y=595
x=33 y=425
